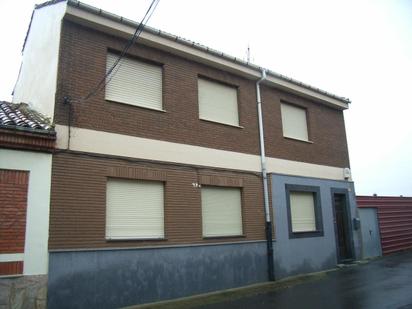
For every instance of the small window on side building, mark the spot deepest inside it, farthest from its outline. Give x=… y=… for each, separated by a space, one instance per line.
x=304 y=211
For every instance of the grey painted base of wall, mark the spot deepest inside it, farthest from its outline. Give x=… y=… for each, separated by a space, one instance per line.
x=115 y=278
x=308 y=260
x=26 y=292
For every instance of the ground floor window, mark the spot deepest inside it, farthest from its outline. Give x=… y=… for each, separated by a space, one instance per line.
x=221 y=211
x=304 y=211
x=134 y=209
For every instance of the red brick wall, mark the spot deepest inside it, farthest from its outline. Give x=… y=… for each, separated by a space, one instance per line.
x=11 y=268
x=13 y=205
x=16 y=139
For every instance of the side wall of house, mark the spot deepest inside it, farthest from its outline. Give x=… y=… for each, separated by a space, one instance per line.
x=36 y=83
x=30 y=289
x=38 y=165
x=309 y=254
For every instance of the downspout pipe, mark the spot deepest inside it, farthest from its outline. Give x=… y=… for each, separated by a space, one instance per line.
x=268 y=221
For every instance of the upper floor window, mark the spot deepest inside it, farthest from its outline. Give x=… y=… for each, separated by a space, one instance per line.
x=294 y=122
x=134 y=82
x=218 y=102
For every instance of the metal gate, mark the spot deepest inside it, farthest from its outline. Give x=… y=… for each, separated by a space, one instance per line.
x=395 y=220
x=371 y=241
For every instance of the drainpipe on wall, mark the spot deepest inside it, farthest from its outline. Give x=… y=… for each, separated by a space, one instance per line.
x=268 y=222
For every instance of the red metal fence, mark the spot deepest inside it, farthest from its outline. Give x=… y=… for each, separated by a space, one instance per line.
x=395 y=220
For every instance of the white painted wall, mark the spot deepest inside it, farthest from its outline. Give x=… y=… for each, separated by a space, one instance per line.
x=143 y=148
x=37 y=79
x=38 y=204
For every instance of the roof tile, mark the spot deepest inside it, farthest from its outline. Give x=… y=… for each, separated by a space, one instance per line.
x=21 y=116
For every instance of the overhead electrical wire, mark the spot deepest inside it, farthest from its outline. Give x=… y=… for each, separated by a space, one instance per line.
x=115 y=66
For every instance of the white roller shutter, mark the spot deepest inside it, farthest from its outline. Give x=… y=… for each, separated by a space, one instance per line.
x=221 y=211
x=134 y=209
x=294 y=122
x=217 y=102
x=302 y=209
x=134 y=82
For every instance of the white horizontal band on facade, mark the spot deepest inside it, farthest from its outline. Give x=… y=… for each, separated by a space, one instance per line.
x=99 y=142
x=11 y=257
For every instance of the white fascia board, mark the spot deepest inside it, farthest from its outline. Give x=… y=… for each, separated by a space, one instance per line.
x=305 y=92
x=173 y=45
x=112 y=144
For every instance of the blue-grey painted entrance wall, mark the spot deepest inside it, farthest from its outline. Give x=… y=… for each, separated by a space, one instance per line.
x=115 y=278
x=303 y=255
x=371 y=242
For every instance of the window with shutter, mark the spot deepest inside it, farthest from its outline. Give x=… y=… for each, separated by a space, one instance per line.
x=134 y=209
x=134 y=82
x=217 y=102
x=302 y=208
x=221 y=211
x=294 y=122
x=304 y=211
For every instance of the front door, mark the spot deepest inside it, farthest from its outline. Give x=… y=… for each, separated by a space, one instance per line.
x=342 y=227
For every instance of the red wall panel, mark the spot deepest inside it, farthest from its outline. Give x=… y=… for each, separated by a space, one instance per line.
x=395 y=220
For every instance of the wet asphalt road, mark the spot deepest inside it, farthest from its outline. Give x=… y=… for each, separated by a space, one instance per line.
x=382 y=283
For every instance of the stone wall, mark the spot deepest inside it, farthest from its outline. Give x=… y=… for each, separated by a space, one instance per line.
x=28 y=292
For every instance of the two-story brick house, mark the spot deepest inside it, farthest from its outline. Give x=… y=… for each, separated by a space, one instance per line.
x=157 y=185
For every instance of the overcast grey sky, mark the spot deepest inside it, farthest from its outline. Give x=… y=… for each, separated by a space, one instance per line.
x=358 y=49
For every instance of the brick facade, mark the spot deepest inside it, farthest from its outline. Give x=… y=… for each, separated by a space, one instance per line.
x=27 y=140
x=78 y=199
x=83 y=63
x=11 y=268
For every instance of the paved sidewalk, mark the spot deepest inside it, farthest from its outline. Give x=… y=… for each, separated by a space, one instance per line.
x=381 y=283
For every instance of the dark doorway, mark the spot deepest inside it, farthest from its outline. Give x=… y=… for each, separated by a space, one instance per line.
x=342 y=226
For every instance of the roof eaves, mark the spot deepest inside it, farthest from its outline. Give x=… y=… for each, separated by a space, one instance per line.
x=20 y=117
x=29 y=130
x=129 y=22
